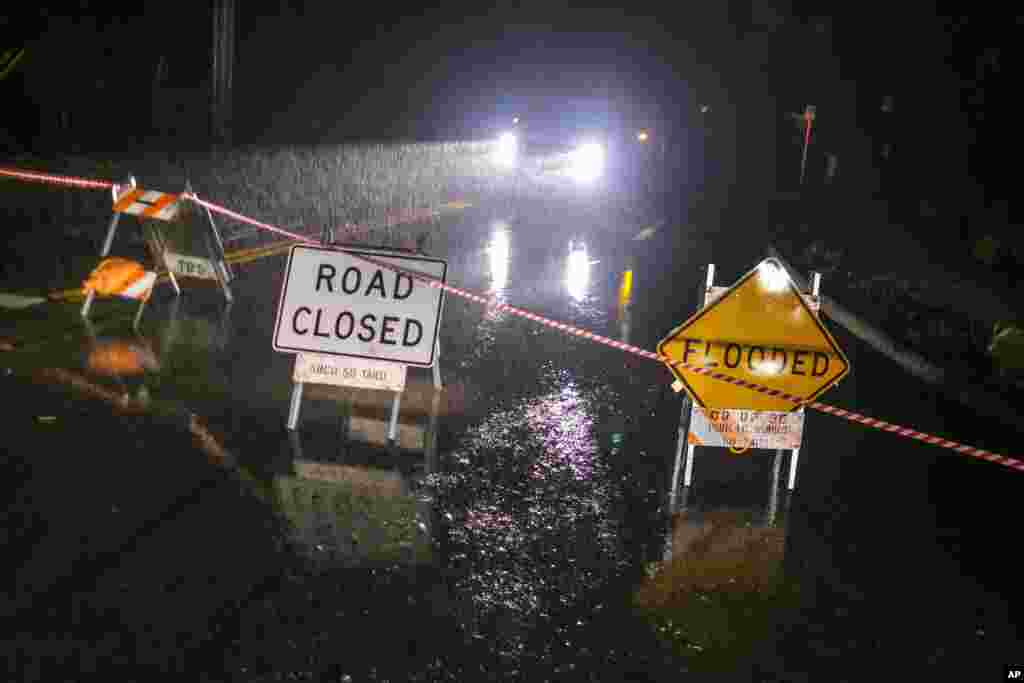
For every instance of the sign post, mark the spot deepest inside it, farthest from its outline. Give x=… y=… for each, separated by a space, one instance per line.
x=165 y=207
x=764 y=331
x=211 y=267
x=685 y=414
x=809 y=113
x=356 y=324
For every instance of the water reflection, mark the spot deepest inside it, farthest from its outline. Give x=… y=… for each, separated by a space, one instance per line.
x=624 y=304
x=122 y=357
x=499 y=253
x=353 y=499
x=530 y=491
x=577 y=271
x=690 y=510
x=349 y=515
x=499 y=257
x=126 y=359
x=196 y=329
x=722 y=582
x=566 y=433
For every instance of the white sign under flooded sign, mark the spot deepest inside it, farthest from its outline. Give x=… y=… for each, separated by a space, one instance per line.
x=190 y=266
x=742 y=429
x=335 y=303
x=346 y=371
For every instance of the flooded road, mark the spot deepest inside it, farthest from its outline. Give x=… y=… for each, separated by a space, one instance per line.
x=505 y=532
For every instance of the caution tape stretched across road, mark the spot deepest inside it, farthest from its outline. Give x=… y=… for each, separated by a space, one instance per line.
x=607 y=341
x=882 y=425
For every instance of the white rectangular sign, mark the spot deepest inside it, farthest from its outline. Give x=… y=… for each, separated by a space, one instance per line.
x=190 y=266
x=746 y=428
x=348 y=371
x=335 y=303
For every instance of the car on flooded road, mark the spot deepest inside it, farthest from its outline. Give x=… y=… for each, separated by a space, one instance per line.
x=587 y=140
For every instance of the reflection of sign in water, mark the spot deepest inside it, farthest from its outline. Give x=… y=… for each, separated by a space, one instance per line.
x=746 y=428
x=347 y=371
x=190 y=266
x=365 y=480
x=336 y=303
x=344 y=515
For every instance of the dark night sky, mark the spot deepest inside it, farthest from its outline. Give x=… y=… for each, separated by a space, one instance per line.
x=319 y=71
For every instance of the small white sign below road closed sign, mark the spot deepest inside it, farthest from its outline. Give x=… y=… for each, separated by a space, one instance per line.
x=347 y=371
x=190 y=266
x=335 y=303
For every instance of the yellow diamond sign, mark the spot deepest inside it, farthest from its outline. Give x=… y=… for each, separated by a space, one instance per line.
x=761 y=330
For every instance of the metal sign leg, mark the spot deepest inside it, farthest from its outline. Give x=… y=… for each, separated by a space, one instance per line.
x=107 y=243
x=296 y=442
x=684 y=502
x=686 y=413
x=393 y=426
x=161 y=248
x=217 y=268
x=225 y=325
x=214 y=248
x=345 y=425
x=437 y=366
x=293 y=407
x=688 y=472
x=222 y=256
x=681 y=439
x=773 y=501
x=792 y=468
x=88 y=303
x=170 y=276
x=430 y=447
x=138 y=314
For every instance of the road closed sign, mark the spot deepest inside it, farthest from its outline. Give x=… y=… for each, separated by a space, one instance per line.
x=338 y=304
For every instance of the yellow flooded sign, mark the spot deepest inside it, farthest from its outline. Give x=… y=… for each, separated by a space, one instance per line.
x=760 y=330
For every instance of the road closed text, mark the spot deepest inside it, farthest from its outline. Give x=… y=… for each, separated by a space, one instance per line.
x=342 y=324
x=388 y=329
x=336 y=303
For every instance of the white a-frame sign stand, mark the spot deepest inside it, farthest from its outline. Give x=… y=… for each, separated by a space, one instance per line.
x=351 y=369
x=161 y=206
x=688 y=418
x=354 y=373
x=215 y=267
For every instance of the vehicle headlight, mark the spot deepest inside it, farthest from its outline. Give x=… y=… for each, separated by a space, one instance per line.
x=587 y=162
x=506 y=149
